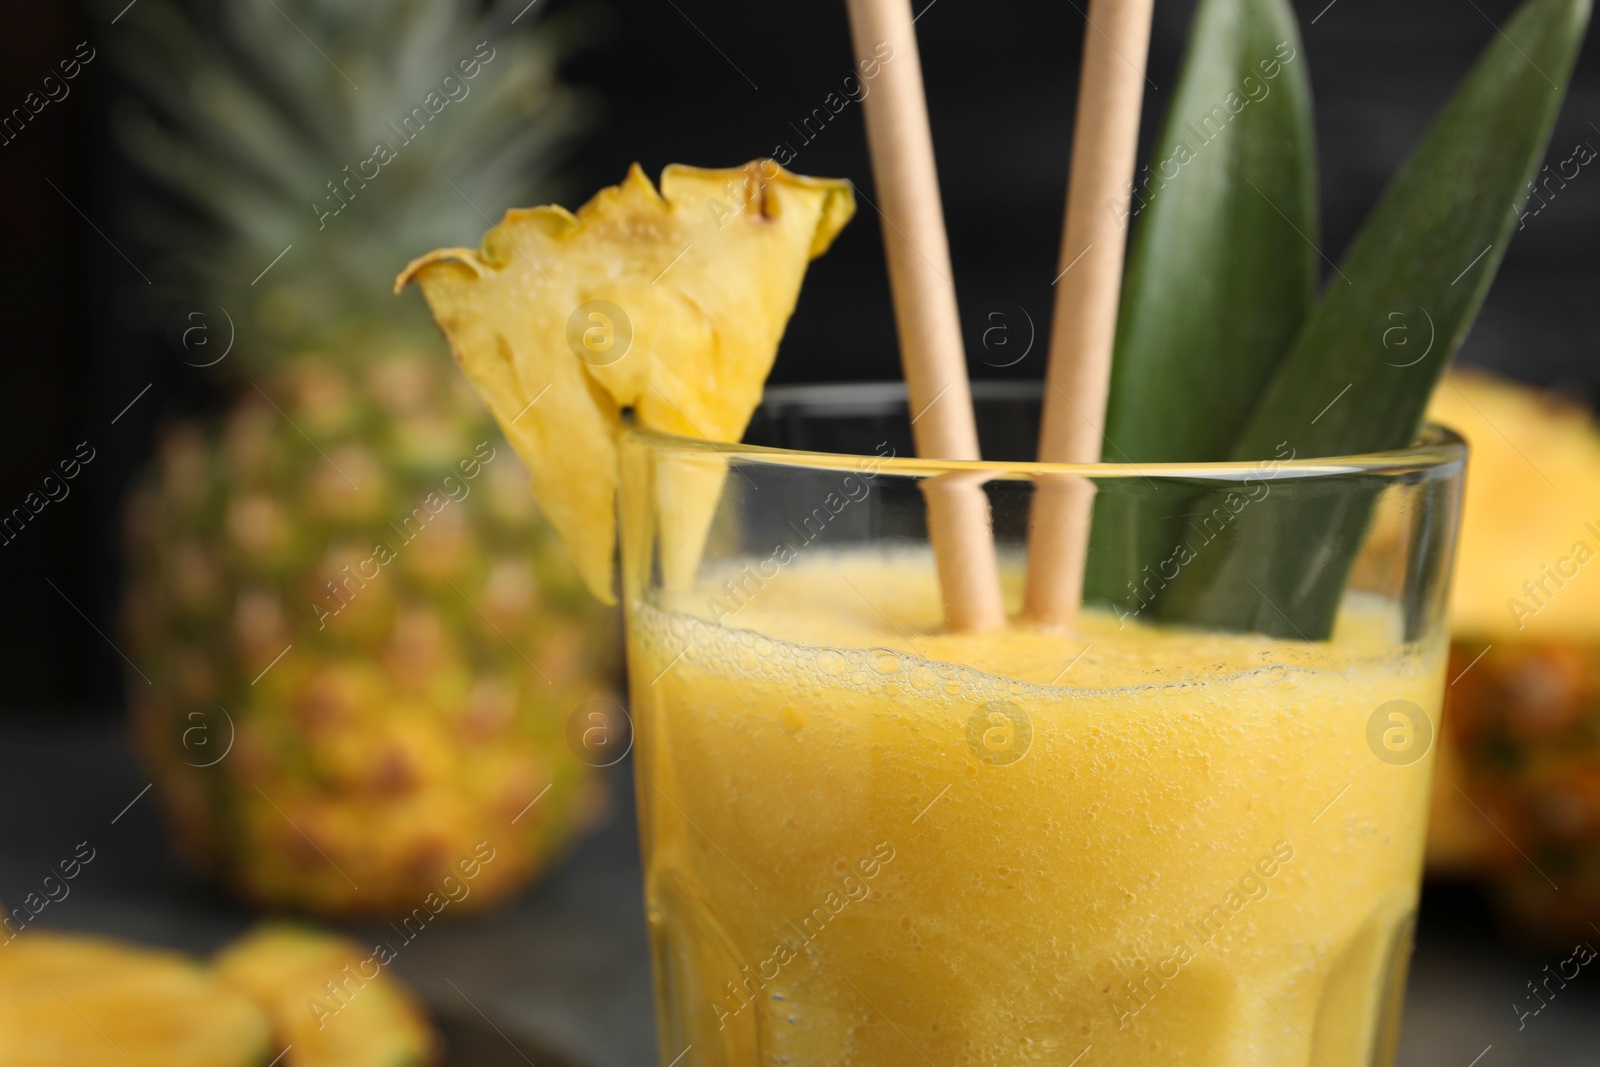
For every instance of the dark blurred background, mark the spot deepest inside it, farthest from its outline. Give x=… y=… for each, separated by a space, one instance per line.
x=714 y=83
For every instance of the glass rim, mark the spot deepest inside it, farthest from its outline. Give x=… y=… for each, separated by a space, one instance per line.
x=1435 y=449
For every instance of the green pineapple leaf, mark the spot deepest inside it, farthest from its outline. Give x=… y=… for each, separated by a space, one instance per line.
x=1223 y=268
x=1222 y=271
x=340 y=136
x=1359 y=375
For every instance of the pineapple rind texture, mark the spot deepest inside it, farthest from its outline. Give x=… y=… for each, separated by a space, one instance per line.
x=669 y=303
x=421 y=703
x=1522 y=735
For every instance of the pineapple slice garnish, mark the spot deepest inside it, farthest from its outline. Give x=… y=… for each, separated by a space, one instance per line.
x=668 y=303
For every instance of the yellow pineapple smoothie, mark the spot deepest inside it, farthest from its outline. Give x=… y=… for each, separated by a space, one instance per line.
x=868 y=843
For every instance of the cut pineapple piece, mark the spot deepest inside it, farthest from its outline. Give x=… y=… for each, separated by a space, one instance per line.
x=671 y=304
x=328 y=1000
x=1531 y=519
x=1519 y=754
x=86 y=1002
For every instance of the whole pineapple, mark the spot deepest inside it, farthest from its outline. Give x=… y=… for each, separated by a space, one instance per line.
x=363 y=645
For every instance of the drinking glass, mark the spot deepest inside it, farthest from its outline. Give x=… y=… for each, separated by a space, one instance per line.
x=1188 y=833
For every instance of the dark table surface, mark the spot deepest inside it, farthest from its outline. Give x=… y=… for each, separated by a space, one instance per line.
x=561 y=977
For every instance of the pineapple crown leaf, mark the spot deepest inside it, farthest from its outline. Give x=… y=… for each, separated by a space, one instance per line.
x=248 y=118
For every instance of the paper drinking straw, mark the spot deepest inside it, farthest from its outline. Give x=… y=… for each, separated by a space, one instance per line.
x=929 y=325
x=1104 y=144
